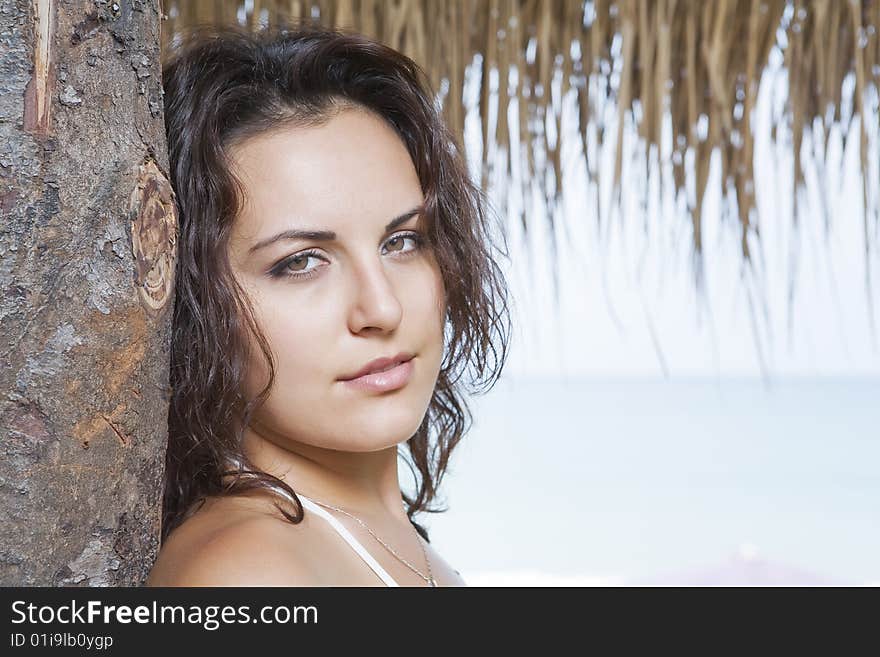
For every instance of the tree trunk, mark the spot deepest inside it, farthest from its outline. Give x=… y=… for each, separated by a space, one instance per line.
x=87 y=255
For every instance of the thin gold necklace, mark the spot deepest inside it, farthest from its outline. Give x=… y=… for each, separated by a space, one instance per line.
x=429 y=578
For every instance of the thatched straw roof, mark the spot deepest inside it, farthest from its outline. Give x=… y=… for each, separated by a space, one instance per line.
x=684 y=73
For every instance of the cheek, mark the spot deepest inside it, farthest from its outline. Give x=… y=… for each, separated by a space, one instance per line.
x=299 y=341
x=436 y=301
x=297 y=405
x=423 y=297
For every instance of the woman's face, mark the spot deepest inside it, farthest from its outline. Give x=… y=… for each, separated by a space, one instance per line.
x=330 y=306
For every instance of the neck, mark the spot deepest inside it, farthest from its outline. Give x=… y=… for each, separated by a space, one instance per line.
x=362 y=483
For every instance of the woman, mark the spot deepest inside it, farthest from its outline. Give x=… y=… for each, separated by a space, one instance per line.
x=335 y=283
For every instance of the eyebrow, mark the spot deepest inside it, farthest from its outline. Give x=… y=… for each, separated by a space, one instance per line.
x=329 y=235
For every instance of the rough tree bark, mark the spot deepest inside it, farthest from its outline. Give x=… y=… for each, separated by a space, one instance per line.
x=87 y=254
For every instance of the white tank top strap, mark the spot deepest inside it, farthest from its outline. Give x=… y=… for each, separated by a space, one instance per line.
x=351 y=540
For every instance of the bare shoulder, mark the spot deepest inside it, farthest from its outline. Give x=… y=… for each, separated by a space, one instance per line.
x=236 y=541
x=445 y=574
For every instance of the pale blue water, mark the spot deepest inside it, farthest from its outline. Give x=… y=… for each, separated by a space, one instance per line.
x=638 y=479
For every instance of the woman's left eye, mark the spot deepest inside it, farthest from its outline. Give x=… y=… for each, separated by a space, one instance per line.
x=397 y=241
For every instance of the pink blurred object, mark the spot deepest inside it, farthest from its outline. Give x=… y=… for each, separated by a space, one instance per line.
x=743 y=569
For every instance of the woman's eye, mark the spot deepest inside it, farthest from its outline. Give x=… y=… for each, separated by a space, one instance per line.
x=298 y=263
x=395 y=244
x=295 y=266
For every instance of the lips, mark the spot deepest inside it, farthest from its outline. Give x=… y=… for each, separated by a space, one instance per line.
x=379 y=365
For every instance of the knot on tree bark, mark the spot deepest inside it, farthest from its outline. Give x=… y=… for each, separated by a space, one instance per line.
x=153 y=218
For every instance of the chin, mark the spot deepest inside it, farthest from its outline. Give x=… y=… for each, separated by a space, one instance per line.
x=376 y=432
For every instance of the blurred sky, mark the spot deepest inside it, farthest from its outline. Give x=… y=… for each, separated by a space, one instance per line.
x=636 y=481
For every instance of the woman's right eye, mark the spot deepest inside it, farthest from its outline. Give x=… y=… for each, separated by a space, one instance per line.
x=294 y=266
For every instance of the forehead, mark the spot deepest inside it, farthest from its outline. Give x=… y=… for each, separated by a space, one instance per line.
x=352 y=169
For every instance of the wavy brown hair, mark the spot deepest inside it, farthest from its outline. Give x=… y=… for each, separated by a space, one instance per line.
x=224 y=85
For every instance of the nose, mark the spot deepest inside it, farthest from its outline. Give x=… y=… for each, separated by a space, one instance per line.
x=375 y=304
